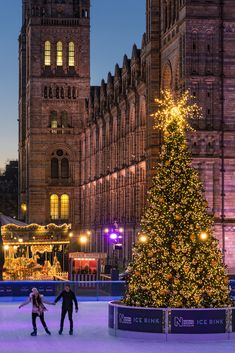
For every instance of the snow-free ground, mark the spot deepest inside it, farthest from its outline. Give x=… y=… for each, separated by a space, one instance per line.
x=90 y=334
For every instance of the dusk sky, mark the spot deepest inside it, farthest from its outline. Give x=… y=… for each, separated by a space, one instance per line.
x=115 y=26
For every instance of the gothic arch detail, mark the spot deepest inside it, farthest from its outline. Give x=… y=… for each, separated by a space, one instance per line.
x=167 y=77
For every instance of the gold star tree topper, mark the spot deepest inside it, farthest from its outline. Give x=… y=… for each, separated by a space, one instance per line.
x=175 y=110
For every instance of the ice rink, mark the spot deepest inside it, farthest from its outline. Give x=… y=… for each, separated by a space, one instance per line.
x=90 y=334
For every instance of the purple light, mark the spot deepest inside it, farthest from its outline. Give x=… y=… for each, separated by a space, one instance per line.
x=113 y=236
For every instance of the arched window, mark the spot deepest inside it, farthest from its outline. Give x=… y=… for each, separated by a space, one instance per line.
x=54 y=206
x=62 y=93
x=59 y=58
x=69 y=92
x=74 y=93
x=45 y=92
x=54 y=168
x=64 y=206
x=64 y=168
x=54 y=121
x=57 y=93
x=47 y=53
x=64 y=119
x=71 y=54
x=50 y=93
x=167 y=77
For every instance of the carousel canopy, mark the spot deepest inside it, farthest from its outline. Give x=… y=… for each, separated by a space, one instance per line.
x=4 y=220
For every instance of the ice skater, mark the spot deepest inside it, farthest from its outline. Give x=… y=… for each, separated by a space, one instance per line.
x=38 y=309
x=68 y=297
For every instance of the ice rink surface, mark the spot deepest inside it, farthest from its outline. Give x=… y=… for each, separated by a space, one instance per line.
x=90 y=334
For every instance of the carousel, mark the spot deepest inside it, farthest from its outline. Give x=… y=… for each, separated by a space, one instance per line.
x=34 y=252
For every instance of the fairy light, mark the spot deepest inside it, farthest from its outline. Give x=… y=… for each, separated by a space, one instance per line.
x=203 y=236
x=143 y=238
x=172 y=110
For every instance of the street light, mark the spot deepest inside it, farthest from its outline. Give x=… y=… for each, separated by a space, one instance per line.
x=83 y=239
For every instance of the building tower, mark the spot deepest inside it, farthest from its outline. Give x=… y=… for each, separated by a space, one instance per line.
x=54 y=87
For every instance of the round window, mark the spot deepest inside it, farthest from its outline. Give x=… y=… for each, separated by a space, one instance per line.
x=59 y=153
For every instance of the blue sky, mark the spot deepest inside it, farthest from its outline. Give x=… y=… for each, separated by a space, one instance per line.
x=115 y=26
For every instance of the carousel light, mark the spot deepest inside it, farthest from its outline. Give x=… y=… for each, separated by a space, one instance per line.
x=23 y=207
x=121 y=230
x=106 y=230
x=89 y=232
x=6 y=247
x=20 y=240
x=70 y=234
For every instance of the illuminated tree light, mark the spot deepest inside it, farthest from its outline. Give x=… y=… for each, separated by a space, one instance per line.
x=143 y=238
x=171 y=268
x=203 y=236
x=173 y=110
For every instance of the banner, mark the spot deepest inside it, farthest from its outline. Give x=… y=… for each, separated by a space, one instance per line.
x=198 y=321
x=140 y=320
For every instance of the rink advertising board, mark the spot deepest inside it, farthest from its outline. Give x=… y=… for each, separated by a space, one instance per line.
x=111 y=316
x=233 y=320
x=140 y=320
x=198 y=321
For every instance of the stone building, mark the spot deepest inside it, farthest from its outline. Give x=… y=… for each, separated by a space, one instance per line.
x=54 y=60
x=9 y=189
x=87 y=153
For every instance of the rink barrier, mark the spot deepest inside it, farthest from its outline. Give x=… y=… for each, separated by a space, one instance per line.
x=90 y=290
x=171 y=323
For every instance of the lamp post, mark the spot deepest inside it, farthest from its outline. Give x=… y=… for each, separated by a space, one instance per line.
x=115 y=235
x=83 y=239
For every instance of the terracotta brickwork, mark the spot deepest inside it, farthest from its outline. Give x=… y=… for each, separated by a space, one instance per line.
x=52 y=105
x=108 y=138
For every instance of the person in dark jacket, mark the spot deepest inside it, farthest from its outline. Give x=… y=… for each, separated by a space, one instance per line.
x=68 y=297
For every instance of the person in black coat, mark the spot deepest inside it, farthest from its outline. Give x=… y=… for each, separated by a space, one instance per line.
x=68 y=297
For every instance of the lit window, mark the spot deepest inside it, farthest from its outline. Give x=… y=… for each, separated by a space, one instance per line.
x=64 y=207
x=54 y=121
x=59 y=48
x=71 y=54
x=54 y=206
x=47 y=53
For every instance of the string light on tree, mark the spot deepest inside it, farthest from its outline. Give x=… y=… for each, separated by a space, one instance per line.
x=203 y=236
x=172 y=262
x=143 y=238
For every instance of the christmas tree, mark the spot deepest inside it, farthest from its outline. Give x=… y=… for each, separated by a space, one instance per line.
x=177 y=261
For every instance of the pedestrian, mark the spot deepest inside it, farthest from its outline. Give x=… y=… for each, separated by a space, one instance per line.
x=68 y=297
x=38 y=309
